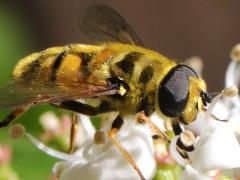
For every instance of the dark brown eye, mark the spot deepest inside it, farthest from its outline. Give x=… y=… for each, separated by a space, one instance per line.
x=173 y=91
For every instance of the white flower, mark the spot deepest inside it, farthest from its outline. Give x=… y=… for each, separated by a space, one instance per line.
x=216 y=148
x=50 y=122
x=105 y=161
x=217 y=145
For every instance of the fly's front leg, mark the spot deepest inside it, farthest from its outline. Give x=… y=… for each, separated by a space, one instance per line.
x=176 y=127
x=118 y=122
x=186 y=137
x=160 y=139
x=185 y=141
x=142 y=118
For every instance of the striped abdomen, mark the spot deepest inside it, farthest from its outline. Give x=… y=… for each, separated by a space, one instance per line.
x=57 y=64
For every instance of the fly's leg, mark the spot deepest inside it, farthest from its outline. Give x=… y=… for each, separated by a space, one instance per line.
x=73 y=132
x=186 y=144
x=68 y=105
x=77 y=107
x=118 y=122
x=160 y=139
x=182 y=147
x=12 y=116
x=142 y=118
x=176 y=127
x=82 y=108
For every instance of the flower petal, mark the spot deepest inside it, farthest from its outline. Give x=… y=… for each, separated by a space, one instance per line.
x=50 y=121
x=173 y=150
x=217 y=148
x=192 y=174
x=108 y=163
x=232 y=78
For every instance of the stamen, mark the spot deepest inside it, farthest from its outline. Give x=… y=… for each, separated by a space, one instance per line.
x=230 y=92
x=50 y=151
x=99 y=137
x=232 y=77
x=91 y=154
x=168 y=125
x=235 y=53
x=185 y=142
x=196 y=63
x=87 y=126
x=211 y=106
x=187 y=138
x=173 y=149
x=16 y=131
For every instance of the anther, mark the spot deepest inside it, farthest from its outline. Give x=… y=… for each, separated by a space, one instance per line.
x=16 y=131
x=186 y=141
x=235 y=53
x=99 y=137
x=168 y=125
x=230 y=92
x=196 y=63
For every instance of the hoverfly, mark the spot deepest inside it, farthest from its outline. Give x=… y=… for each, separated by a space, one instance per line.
x=119 y=72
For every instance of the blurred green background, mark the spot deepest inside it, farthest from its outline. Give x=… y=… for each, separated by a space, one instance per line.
x=176 y=29
x=17 y=40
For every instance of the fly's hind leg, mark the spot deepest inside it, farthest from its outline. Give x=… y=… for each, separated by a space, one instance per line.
x=82 y=108
x=118 y=122
x=12 y=116
x=78 y=107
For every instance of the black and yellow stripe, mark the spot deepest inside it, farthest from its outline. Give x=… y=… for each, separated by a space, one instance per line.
x=56 y=63
x=141 y=70
x=127 y=63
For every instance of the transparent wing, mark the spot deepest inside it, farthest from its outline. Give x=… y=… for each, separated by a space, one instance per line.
x=19 y=93
x=102 y=23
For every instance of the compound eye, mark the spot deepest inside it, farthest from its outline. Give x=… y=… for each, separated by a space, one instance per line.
x=173 y=92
